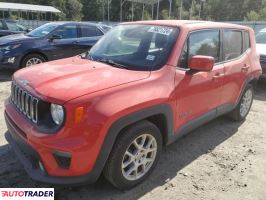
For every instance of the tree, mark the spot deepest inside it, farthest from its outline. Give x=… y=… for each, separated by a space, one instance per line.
x=73 y=10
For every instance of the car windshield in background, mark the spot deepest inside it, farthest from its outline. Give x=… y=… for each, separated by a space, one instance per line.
x=106 y=28
x=135 y=47
x=13 y=26
x=42 y=30
x=261 y=37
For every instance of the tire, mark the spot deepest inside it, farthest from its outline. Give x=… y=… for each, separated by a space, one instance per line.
x=237 y=114
x=114 y=171
x=29 y=57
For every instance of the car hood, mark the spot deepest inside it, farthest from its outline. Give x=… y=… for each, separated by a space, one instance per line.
x=14 y=38
x=66 y=79
x=261 y=49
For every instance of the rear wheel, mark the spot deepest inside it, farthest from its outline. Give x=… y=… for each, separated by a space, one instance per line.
x=134 y=156
x=32 y=59
x=244 y=105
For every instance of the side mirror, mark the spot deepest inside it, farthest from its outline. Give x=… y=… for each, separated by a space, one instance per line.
x=201 y=63
x=55 y=37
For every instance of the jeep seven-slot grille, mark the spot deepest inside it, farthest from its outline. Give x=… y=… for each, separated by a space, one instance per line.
x=25 y=102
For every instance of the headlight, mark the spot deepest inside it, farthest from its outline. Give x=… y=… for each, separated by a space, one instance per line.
x=9 y=47
x=57 y=113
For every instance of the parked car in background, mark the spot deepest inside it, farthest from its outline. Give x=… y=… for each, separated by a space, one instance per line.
x=106 y=28
x=9 y=27
x=261 y=48
x=142 y=86
x=50 y=41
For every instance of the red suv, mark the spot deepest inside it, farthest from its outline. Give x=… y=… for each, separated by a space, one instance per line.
x=141 y=87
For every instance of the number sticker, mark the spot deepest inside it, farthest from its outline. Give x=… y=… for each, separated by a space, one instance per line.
x=160 y=30
x=150 y=57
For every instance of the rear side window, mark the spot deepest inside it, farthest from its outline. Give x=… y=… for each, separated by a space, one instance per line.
x=232 y=44
x=90 y=31
x=206 y=43
x=246 y=41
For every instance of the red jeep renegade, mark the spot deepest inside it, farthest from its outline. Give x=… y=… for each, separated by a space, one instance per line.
x=142 y=86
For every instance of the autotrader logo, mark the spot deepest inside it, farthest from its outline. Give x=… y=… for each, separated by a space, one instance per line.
x=27 y=193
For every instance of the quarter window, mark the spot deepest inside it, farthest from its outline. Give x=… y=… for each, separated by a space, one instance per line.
x=206 y=43
x=246 y=41
x=232 y=44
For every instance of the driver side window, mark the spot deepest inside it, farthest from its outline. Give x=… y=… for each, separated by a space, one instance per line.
x=67 y=32
x=205 y=43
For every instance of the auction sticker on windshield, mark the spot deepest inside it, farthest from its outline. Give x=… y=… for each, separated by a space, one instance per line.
x=26 y=193
x=160 y=30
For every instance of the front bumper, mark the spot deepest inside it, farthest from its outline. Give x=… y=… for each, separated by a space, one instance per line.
x=10 y=61
x=29 y=155
x=29 y=158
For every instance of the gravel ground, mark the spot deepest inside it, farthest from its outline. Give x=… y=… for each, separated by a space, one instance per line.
x=220 y=160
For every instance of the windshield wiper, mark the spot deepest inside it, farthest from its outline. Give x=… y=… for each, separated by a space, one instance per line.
x=112 y=63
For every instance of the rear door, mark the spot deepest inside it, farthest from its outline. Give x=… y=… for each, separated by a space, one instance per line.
x=199 y=93
x=89 y=35
x=236 y=62
x=68 y=45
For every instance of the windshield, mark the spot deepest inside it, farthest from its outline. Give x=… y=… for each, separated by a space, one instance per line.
x=261 y=38
x=43 y=30
x=135 y=47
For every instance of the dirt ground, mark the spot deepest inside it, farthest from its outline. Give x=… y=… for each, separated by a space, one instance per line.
x=220 y=160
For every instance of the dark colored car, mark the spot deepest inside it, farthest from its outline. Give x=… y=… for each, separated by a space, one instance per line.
x=261 y=48
x=9 y=27
x=50 y=41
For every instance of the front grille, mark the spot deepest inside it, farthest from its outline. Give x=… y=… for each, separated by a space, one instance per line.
x=25 y=102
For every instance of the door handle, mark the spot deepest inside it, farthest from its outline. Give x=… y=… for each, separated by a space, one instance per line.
x=245 y=68
x=75 y=42
x=218 y=75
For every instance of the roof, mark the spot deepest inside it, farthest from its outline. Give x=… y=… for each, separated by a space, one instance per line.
x=27 y=7
x=191 y=24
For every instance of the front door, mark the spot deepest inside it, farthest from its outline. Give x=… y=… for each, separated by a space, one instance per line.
x=198 y=93
x=68 y=45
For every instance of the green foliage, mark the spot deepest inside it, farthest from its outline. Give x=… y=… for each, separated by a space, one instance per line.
x=96 y=10
x=147 y=15
x=253 y=16
x=73 y=10
x=164 y=14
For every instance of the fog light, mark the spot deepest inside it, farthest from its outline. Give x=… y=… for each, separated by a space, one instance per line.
x=63 y=159
x=11 y=60
x=41 y=166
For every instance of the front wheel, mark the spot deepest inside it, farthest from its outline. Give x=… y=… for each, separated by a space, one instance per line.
x=32 y=59
x=134 y=156
x=244 y=105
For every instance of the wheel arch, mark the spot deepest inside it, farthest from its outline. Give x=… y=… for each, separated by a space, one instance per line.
x=250 y=81
x=153 y=114
x=32 y=52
